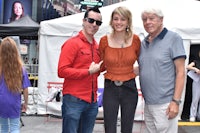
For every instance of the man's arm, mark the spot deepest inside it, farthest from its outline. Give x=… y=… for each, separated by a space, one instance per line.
x=180 y=77
x=173 y=108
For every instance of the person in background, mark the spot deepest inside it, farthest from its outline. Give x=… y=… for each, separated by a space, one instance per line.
x=13 y=81
x=119 y=50
x=161 y=73
x=26 y=60
x=79 y=65
x=195 y=105
x=17 y=11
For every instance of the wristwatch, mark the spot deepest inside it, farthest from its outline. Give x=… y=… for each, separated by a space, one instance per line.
x=178 y=102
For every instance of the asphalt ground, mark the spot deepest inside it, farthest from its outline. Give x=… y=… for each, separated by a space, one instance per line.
x=53 y=124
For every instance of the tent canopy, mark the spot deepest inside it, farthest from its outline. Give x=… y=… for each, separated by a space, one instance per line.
x=179 y=15
x=25 y=27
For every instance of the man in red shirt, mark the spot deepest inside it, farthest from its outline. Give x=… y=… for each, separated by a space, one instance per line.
x=79 y=65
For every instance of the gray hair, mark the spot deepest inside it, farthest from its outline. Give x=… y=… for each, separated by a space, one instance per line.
x=155 y=11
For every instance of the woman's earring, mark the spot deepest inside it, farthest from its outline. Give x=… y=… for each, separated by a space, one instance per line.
x=127 y=28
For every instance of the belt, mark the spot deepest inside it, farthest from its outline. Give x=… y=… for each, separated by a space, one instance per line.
x=120 y=83
x=116 y=82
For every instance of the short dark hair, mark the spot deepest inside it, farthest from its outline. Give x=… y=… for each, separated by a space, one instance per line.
x=94 y=9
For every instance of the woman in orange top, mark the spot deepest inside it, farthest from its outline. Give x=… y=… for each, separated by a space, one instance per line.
x=119 y=50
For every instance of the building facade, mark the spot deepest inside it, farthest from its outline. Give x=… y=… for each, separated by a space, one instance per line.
x=40 y=10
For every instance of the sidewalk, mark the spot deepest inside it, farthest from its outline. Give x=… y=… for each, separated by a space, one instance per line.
x=39 y=124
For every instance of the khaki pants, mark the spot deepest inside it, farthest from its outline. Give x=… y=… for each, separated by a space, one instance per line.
x=157 y=121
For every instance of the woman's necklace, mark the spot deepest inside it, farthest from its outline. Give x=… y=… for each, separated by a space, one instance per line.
x=122 y=45
x=119 y=42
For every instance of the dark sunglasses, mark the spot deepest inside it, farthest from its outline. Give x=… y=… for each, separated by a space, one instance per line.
x=91 y=21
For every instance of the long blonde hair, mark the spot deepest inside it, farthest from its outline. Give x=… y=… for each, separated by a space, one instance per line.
x=126 y=13
x=11 y=64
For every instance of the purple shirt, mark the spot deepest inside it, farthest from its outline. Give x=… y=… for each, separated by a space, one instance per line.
x=10 y=103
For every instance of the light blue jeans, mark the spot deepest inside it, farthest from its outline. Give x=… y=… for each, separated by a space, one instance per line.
x=195 y=105
x=8 y=125
x=78 y=116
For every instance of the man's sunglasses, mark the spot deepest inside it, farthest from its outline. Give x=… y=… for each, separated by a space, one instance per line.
x=91 y=21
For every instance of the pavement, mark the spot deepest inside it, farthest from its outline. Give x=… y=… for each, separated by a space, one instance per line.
x=53 y=124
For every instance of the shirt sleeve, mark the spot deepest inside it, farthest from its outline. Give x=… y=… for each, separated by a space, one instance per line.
x=26 y=82
x=102 y=45
x=178 y=50
x=68 y=61
x=138 y=44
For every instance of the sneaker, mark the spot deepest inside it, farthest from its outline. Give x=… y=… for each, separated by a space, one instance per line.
x=192 y=119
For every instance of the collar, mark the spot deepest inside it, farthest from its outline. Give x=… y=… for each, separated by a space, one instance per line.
x=82 y=36
x=163 y=33
x=160 y=36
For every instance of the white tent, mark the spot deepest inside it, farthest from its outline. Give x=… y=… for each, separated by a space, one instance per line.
x=180 y=16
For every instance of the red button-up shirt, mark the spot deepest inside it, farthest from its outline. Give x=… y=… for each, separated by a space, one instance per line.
x=76 y=56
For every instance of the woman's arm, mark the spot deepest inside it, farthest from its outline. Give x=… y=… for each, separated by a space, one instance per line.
x=25 y=95
x=191 y=66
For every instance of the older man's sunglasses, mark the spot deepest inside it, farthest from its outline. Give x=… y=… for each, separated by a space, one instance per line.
x=91 y=21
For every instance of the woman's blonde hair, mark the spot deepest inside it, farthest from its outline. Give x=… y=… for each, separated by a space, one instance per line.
x=126 y=13
x=11 y=64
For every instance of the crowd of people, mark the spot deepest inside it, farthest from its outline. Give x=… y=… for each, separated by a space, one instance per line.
x=161 y=58
x=161 y=70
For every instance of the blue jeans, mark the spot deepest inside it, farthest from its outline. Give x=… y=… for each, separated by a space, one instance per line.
x=78 y=116
x=8 y=125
